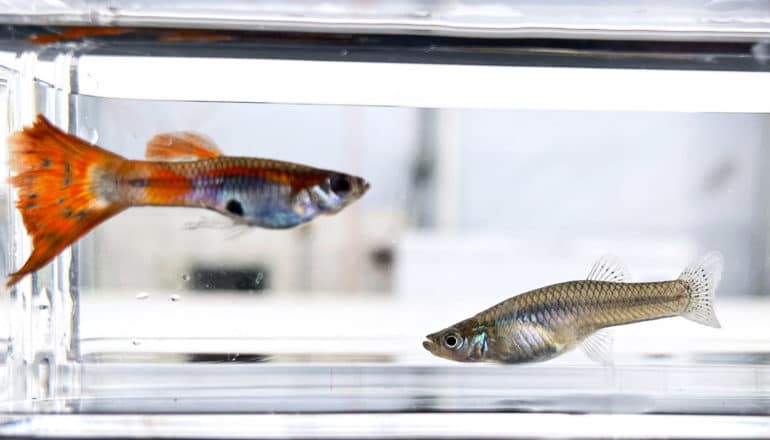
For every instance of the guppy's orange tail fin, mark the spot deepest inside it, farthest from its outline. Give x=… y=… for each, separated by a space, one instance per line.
x=58 y=178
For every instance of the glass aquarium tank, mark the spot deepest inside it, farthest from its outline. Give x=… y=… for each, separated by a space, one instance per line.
x=508 y=145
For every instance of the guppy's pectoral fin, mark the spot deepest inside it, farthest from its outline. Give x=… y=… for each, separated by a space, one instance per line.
x=181 y=146
x=609 y=268
x=598 y=347
x=224 y=223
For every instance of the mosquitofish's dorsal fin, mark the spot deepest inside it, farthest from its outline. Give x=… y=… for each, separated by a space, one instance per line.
x=181 y=146
x=609 y=268
x=598 y=347
x=702 y=278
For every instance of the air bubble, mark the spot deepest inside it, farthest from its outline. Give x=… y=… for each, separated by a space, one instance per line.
x=142 y=295
x=175 y=297
x=93 y=81
x=761 y=52
x=135 y=342
x=90 y=134
x=185 y=277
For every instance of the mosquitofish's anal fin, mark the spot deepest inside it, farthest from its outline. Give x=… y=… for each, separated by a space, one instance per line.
x=60 y=181
x=181 y=146
x=609 y=268
x=702 y=278
x=598 y=347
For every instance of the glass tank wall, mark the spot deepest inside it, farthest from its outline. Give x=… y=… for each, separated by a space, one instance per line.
x=495 y=168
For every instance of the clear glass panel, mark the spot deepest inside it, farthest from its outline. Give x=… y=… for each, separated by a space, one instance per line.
x=5 y=243
x=475 y=196
x=684 y=19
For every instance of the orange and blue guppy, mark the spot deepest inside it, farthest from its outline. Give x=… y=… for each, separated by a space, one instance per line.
x=67 y=186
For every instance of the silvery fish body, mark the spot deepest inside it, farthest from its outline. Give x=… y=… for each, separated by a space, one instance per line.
x=546 y=322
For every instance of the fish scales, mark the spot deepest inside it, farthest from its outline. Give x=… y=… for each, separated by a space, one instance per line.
x=594 y=304
x=67 y=186
x=543 y=323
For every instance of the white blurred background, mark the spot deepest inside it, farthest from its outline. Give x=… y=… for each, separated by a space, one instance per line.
x=485 y=201
x=466 y=208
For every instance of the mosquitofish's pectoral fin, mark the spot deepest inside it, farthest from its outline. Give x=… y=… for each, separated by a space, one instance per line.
x=598 y=347
x=180 y=146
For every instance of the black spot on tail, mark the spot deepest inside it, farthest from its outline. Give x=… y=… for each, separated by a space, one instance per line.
x=234 y=207
x=67 y=174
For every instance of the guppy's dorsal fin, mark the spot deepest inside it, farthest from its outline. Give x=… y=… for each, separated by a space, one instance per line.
x=609 y=268
x=598 y=347
x=180 y=146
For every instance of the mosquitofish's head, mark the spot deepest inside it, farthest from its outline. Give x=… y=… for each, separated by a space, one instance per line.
x=466 y=341
x=330 y=196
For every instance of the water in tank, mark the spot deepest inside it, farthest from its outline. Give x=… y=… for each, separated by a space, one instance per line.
x=500 y=158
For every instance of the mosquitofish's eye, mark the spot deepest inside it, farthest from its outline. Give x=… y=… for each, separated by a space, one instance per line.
x=340 y=184
x=451 y=340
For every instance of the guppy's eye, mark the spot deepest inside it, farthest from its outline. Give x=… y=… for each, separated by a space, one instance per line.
x=340 y=185
x=451 y=340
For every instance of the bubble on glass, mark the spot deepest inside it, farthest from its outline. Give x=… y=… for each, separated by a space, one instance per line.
x=142 y=295
x=235 y=357
x=90 y=134
x=761 y=52
x=175 y=298
x=185 y=277
x=93 y=81
x=258 y=279
x=135 y=342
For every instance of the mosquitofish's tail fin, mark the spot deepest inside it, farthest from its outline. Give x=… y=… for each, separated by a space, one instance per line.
x=62 y=189
x=702 y=278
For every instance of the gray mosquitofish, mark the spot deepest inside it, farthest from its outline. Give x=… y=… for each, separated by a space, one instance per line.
x=546 y=322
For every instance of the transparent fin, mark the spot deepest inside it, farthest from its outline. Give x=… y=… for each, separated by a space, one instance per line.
x=702 y=278
x=609 y=268
x=180 y=146
x=238 y=230
x=209 y=223
x=598 y=347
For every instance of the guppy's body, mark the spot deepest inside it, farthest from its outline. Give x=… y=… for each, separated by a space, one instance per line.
x=543 y=323
x=229 y=185
x=67 y=186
